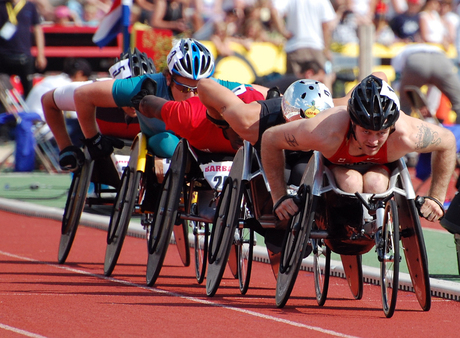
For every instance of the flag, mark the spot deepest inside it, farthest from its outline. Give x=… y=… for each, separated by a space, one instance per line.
x=113 y=22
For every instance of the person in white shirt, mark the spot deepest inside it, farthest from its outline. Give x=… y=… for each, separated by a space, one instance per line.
x=308 y=30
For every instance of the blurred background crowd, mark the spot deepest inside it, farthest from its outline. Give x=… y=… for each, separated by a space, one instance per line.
x=308 y=32
x=246 y=21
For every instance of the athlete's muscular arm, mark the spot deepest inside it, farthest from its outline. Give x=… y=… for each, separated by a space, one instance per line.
x=151 y=105
x=87 y=98
x=222 y=103
x=441 y=143
x=55 y=120
x=274 y=141
x=443 y=160
x=216 y=98
x=324 y=133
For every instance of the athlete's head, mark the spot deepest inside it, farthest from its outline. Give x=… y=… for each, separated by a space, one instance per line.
x=305 y=99
x=131 y=64
x=77 y=69
x=373 y=104
x=190 y=59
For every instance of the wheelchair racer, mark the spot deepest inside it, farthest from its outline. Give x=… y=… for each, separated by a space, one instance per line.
x=55 y=101
x=188 y=118
x=188 y=61
x=302 y=99
x=359 y=140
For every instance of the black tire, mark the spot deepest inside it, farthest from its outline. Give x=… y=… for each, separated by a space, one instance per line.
x=123 y=208
x=201 y=236
x=222 y=234
x=245 y=247
x=321 y=269
x=297 y=235
x=389 y=258
x=76 y=199
x=294 y=246
x=166 y=214
x=224 y=225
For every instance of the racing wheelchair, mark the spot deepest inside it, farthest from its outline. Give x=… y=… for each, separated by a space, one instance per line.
x=138 y=194
x=106 y=179
x=351 y=225
x=245 y=206
x=105 y=174
x=188 y=196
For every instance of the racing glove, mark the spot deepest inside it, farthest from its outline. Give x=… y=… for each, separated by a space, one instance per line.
x=71 y=157
x=100 y=146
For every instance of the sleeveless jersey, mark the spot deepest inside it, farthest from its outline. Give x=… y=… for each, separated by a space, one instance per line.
x=343 y=157
x=270 y=115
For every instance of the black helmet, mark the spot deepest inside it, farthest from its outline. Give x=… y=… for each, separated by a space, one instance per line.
x=139 y=64
x=373 y=104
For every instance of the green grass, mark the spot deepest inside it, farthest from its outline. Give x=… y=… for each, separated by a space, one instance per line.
x=36 y=187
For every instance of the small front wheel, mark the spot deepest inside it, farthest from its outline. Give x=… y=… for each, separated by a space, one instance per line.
x=201 y=235
x=388 y=246
x=321 y=269
x=245 y=247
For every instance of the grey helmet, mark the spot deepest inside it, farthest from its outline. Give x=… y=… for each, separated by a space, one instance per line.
x=304 y=99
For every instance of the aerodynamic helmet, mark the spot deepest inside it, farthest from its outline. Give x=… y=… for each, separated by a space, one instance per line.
x=131 y=64
x=304 y=99
x=191 y=59
x=373 y=104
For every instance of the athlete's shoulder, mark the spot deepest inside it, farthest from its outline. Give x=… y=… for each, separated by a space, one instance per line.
x=230 y=84
x=159 y=78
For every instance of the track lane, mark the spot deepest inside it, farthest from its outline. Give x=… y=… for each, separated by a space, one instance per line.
x=41 y=297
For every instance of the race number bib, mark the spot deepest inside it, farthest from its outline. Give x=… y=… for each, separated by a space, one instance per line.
x=216 y=173
x=120 y=70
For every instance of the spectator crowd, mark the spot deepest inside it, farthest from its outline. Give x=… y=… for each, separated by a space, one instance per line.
x=244 y=21
x=283 y=23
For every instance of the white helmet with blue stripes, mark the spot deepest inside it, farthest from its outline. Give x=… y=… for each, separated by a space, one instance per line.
x=191 y=59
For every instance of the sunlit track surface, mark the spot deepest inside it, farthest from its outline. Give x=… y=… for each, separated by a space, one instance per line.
x=40 y=298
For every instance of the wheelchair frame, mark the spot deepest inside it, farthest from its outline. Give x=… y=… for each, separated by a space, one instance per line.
x=99 y=172
x=396 y=220
x=245 y=203
x=182 y=188
x=133 y=198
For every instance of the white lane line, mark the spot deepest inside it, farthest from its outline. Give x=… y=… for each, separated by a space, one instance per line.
x=19 y=331
x=192 y=299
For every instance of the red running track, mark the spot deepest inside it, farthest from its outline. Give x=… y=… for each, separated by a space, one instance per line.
x=40 y=298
